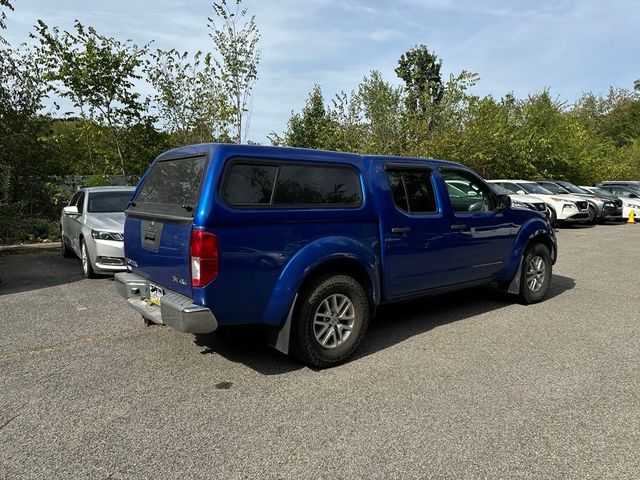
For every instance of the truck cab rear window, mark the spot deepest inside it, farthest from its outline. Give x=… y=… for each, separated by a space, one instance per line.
x=292 y=185
x=172 y=187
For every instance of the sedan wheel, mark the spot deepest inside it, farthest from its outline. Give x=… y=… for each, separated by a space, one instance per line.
x=87 y=269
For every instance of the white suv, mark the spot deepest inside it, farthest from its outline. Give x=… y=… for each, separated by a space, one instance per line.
x=562 y=208
x=92 y=227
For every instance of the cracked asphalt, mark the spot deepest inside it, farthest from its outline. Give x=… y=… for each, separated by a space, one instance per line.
x=462 y=386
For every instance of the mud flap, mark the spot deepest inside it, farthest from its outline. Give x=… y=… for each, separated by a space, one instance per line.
x=514 y=286
x=279 y=337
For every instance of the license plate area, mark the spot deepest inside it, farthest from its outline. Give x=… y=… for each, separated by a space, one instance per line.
x=155 y=294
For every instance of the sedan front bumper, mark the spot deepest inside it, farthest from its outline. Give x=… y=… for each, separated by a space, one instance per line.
x=175 y=310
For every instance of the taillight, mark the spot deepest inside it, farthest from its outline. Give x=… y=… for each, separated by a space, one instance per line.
x=204 y=257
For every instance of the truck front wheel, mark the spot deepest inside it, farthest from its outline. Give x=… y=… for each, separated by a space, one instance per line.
x=537 y=270
x=331 y=320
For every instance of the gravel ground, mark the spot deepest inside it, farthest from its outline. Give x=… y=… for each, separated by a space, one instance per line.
x=466 y=385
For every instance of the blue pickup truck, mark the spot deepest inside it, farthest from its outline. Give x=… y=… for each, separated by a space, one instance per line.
x=311 y=242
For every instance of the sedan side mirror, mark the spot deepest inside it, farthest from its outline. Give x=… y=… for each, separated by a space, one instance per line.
x=521 y=192
x=71 y=210
x=503 y=202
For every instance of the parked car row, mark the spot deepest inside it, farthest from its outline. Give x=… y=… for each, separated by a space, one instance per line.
x=569 y=203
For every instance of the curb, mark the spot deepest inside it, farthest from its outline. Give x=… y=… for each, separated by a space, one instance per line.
x=29 y=248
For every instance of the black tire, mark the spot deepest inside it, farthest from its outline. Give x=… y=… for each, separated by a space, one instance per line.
x=529 y=295
x=311 y=303
x=593 y=216
x=553 y=218
x=87 y=269
x=64 y=248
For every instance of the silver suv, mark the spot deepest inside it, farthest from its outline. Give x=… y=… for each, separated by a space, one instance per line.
x=92 y=227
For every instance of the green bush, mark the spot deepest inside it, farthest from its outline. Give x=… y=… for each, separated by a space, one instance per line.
x=15 y=228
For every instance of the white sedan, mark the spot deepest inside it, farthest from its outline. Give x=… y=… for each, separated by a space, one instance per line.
x=562 y=208
x=92 y=227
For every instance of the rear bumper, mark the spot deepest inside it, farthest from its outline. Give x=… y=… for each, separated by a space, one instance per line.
x=176 y=311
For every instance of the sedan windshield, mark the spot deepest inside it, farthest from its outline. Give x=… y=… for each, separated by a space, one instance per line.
x=573 y=188
x=599 y=191
x=108 y=202
x=534 y=188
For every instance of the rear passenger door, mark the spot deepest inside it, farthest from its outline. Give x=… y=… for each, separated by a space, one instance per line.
x=481 y=237
x=416 y=231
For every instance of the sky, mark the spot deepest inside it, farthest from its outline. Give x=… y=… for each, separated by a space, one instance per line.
x=517 y=46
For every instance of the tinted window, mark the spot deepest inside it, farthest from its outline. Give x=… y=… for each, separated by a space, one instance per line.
x=172 y=187
x=294 y=185
x=467 y=194
x=102 y=202
x=312 y=185
x=250 y=184
x=413 y=190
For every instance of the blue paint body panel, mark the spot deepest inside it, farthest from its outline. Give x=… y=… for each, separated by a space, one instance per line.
x=266 y=253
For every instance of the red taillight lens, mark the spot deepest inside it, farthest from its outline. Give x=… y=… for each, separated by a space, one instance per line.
x=204 y=257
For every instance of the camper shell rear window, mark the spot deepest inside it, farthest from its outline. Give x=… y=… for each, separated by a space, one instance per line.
x=171 y=188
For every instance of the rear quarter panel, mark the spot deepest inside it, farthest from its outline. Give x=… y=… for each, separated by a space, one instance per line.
x=266 y=253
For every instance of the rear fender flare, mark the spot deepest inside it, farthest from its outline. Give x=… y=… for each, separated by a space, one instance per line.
x=306 y=260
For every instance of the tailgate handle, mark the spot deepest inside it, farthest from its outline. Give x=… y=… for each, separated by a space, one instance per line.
x=150 y=236
x=458 y=227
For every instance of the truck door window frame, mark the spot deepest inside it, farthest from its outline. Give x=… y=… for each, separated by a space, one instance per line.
x=475 y=179
x=410 y=168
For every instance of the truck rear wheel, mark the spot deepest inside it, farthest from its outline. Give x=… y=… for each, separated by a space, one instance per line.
x=331 y=320
x=537 y=270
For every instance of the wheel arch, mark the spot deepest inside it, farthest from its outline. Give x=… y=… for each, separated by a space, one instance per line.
x=339 y=255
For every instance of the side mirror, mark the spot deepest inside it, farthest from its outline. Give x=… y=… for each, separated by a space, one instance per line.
x=633 y=195
x=521 y=192
x=71 y=210
x=503 y=202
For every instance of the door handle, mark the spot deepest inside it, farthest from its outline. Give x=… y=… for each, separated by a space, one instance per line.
x=458 y=227
x=400 y=229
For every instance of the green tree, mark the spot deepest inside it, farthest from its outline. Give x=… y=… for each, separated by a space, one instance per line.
x=236 y=39
x=97 y=74
x=381 y=105
x=4 y=4
x=419 y=69
x=190 y=100
x=311 y=128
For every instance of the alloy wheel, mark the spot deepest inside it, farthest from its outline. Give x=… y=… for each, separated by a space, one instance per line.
x=333 y=321
x=536 y=273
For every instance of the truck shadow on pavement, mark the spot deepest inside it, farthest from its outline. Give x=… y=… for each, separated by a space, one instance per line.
x=392 y=325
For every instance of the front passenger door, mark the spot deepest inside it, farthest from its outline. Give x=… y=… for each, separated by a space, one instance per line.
x=481 y=237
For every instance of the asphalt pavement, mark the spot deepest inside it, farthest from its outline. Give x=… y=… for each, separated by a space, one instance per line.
x=467 y=385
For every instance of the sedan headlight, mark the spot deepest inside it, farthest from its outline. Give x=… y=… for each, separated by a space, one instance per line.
x=631 y=205
x=113 y=236
x=516 y=204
